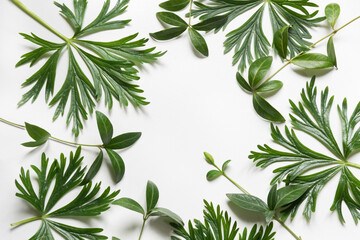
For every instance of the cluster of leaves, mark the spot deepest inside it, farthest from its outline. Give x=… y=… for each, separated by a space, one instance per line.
x=109 y=144
x=112 y=65
x=312 y=118
x=248 y=41
x=259 y=86
x=152 y=197
x=277 y=200
x=63 y=177
x=218 y=225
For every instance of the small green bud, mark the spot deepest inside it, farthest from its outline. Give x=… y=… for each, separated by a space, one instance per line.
x=209 y=158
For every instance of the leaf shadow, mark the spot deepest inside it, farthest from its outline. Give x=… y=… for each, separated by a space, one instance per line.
x=161 y=226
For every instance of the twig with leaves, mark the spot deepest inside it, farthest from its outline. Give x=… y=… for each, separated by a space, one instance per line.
x=109 y=144
x=278 y=199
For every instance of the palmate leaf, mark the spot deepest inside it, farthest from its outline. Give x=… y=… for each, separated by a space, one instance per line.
x=312 y=117
x=112 y=65
x=54 y=181
x=218 y=225
x=248 y=41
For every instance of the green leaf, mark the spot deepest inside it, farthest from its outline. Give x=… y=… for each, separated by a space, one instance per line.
x=289 y=194
x=94 y=169
x=171 y=19
x=198 y=42
x=258 y=70
x=243 y=83
x=152 y=196
x=168 y=33
x=265 y=110
x=332 y=12
x=211 y=23
x=331 y=51
x=117 y=163
x=174 y=5
x=124 y=140
x=130 y=204
x=272 y=197
x=270 y=86
x=269 y=216
x=313 y=61
x=213 y=174
x=281 y=39
x=50 y=188
x=248 y=202
x=225 y=164
x=209 y=159
x=105 y=127
x=217 y=224
x=167 y=213
x=39 y=134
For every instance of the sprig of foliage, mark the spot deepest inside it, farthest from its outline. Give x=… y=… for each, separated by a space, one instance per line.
x=278 y=199
x=54 y=181
x=218 y=225
x=112 y=65
x=248 y=41
x=110 y=144
x=261 y=86
x=311 y=116
x=152 y=197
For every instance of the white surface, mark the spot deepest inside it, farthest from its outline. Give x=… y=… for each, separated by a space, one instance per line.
x=196 y=105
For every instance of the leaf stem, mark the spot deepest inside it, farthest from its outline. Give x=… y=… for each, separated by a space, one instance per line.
x=143 y=226
x=190 y=10
x=287 y=228
x=51 y=137
x=26 y=221
x=311 y=46
x=39 y=20
x=355 y=165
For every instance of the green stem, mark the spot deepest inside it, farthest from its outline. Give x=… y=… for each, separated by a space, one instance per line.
x=353 y=165
x=287 y=228
x=143 y=226
x=190 y=10
x=51 y=137
x=39 y=20
x=311 y=46
x=26 y=221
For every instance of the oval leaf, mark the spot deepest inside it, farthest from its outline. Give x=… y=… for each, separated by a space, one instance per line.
x=117 y=164
x=265 y=110
x=225 y=164
x=248 y=202
x=129 y=204
x=39 y=134
x=243 y=83
x=94 y=169
x=105 y=127
x=168 y=33
x=281 y=39
x=313 y=61
x=209 y=158
x=198 y=42
x=167 y=213
x=272 y=197
x=258 y=70
x=289 y=194
x=171 y=19
x=331 y=51
x=124 y=140
x=211 y=23
x=332 y=12
x=213 y=174
x=152 y=196
x=174 y=5
x=271 y=86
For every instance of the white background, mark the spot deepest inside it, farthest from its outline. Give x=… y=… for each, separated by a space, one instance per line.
x=196 y=105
